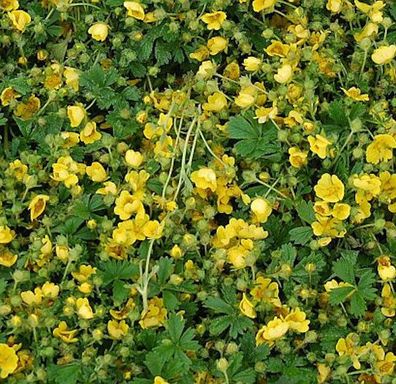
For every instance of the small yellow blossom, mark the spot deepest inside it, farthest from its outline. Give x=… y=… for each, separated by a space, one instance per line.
x=117 y=329
x=96 y=172
x=155 y=315
x=252 y=64
x=7 y=258
x=297 y=322
x=247 y=308
x=84 y=309
x=37 y=206
x=216 y=45
x=214 y=20
x=20 y=19
x=133 y=158
x=386 y=270
x=297 y=157
x=89 y=134
x=334 y=6
x=134 y=9
x=384 y=55
x=318 y=145
x=159 y=380
x=259 y=5
x=76 y=114
x=329 y=188
x=341 y=211
x=9 y=5
x=284 y=74
x=261 y=209
x=275 y=329
x=6 y=234
x=205 y=178
x=381 y=149
x=355 y=94
x=62 y=332
x=99 y=31
x=8 y=361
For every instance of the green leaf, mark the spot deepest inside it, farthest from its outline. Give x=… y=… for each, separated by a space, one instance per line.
x=25 y=126
x=365 y=285
x=64 y=374
x=117 y=270
x=175 y=326
x=339 y=295
x=344 y=267
x=165 y=269
x=3 y=286
x=305 y=211
x=154 y=362
x=218 y=305
x=358 y=305
x=120 y=292
x=240 y=128
x=301 y=235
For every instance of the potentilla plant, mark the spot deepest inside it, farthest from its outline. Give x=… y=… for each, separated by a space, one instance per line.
x=197 y=191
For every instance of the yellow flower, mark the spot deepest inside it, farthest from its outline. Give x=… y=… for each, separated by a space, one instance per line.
x=159 y=380
x=380 y=149
x=373 y=11
x=318 y=145
x=296 y=321
x=246 y=97
x=384 y=55
x=89 y=134
x=259 y=5
x=252 y=64
x=214 y=20
x=284 y=74
x=216 y=103
x=72 y=78
x=153 y=229
x=385 y=367
x=7 y=259
x=117 y=329
x=134 y=9
x=329 y=188
x=385 y=269
x=126 y=205
x=62 y=332
x=155 y=315
x=37 y=206
x=76 y=114
x=133 y=158
x=216 y=45
x=200 y=54
x=6 y=234
x=84 y=310
x=388 y=301
x=334 y=6
x=176 y=252
x=349 y=346
x=9 y=5
x=32 y=298
x=264 y=114
x=261 y=209
x=341 y=211
x=20 y=19
x=275 y=329
x=8 y=360
x=205 y=178
x=71 y=139
x=323 y=372
x=206 y=70
x=96 y=172
x=369 y=30
x=27 y=110
x=8 y=95
x=277 y=48
x=297 y=157
x=355 y=94
x=50 y=290
x=84 y=273
x=109 y=189
x=99 y=31
x=267 y=291
x=246 y=307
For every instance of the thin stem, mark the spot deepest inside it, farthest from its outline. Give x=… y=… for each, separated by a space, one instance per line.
x=210 y=150
x=272 y=188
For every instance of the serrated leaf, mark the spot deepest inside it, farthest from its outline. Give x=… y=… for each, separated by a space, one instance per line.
x=344 y=267
x=358 y=305
x=240 y=128
x=339 y=295
x=305 y=211
x=218 y=305
x=301 y=235
x=64 y=374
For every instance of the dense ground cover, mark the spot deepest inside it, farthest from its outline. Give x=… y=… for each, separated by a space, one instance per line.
x=197 y=191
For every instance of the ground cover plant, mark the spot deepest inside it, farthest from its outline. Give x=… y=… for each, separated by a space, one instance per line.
x=197 y=191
